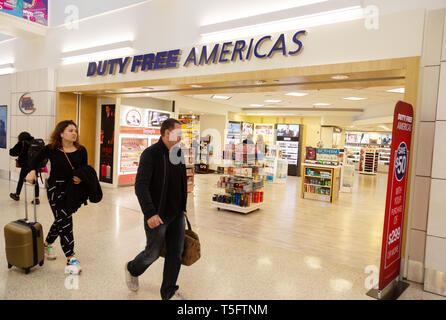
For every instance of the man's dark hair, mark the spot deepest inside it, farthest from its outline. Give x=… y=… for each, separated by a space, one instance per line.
x=168 y=124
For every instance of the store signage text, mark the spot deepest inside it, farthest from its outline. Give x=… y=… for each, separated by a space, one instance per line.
x=26 y=104
x=396 y=194
x=220 y=53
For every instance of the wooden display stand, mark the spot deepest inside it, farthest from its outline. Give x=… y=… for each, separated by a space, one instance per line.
x=320 y=182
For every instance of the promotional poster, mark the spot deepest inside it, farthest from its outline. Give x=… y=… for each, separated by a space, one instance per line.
x=3 y=121
x=31 y=10
x=107 y=143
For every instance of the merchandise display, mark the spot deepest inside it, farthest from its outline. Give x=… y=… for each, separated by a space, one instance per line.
x=333 y=157
x=288 y=138
x=355 y=141
x=131 y=150
x=347 y=178
x=266 y=131
x=321 y=182
x=190 y=126
x=276 y=168
x=369 y=161
x=243 y=180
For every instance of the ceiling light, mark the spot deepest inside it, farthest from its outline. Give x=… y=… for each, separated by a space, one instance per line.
x=256 y=105
x=355 y=99
x=322 y=104
x=273 y=101
x=340 y=77
x=111 y=50
x=254 y=26
x=109 y=91
x=196 y=86
x=398 y=90
x=6 y=68
x=147 y=88
x=217 y=97
x=297 y=94
x=260 y=82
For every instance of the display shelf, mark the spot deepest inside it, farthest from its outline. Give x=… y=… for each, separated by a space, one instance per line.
x=369 y=161
x=315 y=191
x=232 y=207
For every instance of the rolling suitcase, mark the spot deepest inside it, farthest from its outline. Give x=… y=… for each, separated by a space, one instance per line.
x=24 y=241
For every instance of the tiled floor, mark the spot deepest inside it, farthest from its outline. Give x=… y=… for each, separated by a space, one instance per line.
x=291 y=249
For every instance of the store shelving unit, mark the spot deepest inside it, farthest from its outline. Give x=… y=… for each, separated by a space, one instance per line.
x=369 y=161
x=190 y=126
x=276 y=169
x=242 y=181
x=320 y=182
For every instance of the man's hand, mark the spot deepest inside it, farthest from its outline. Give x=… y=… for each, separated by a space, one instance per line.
x=154 y=222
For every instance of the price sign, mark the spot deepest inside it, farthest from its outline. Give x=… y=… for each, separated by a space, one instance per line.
x=396 y=194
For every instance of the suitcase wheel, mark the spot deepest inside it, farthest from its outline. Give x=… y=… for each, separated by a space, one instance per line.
x=41 y=263
x=9 y=266
x=27 y=270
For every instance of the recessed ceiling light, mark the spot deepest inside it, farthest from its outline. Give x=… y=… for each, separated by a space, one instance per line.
x=398 y=90
x=273 y=101
x=147 y=88
x=297 y=94
x=355 y=99
x=109 y=91
x=196 y=86
x=322 y=104
x=340 y=77
x=256 y=105
x=260 y=82
x=220 y=97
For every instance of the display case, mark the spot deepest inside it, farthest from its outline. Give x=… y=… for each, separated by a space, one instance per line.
x=347 y=178
x=288 y=138
x=276 y=168
x=369 y=161
x=320 y=182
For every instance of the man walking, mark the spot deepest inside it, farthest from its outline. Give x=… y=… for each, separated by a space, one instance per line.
x=161 y=188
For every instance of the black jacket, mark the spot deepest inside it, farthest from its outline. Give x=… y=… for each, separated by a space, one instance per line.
x=88 y=189
x=151 y=180
x=20 y=150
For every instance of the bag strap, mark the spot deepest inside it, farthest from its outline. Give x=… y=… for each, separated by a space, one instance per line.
x=68 y=160
x=189 y=227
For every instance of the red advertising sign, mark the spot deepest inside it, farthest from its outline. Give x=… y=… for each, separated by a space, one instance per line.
x=396 y=194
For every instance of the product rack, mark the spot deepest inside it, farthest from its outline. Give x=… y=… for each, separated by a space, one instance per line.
x=369 y=161
x=320 y=182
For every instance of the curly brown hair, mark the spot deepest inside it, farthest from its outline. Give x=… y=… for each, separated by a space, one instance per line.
x=56 y=139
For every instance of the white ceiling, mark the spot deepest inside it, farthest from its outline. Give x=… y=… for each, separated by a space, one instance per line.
x=376 y=97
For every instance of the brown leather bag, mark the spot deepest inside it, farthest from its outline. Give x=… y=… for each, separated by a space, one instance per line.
x=192 y=247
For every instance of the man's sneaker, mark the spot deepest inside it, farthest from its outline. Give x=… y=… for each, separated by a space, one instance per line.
x=37 y=201
x=73 y=266
x=49 y=253
x=14 y=196
x=132 y=282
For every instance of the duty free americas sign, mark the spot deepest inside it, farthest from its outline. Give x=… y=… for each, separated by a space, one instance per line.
x=240 y=50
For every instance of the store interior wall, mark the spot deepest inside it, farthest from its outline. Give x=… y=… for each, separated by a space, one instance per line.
x=39 y=85
x=87 y=127
x=435 y=259
x=5 y=100
x=425 y=257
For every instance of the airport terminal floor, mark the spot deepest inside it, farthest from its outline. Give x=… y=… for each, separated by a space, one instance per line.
x=293 y=249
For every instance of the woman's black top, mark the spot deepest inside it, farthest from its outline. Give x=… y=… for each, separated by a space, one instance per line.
x=60 y=167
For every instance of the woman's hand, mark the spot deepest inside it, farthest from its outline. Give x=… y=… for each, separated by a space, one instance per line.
x=76 y=180
x=31 y=177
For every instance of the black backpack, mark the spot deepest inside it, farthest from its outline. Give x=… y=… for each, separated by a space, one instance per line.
x=34 y=147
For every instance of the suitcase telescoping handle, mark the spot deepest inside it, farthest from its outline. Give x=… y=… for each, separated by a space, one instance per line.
x=26 y=202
